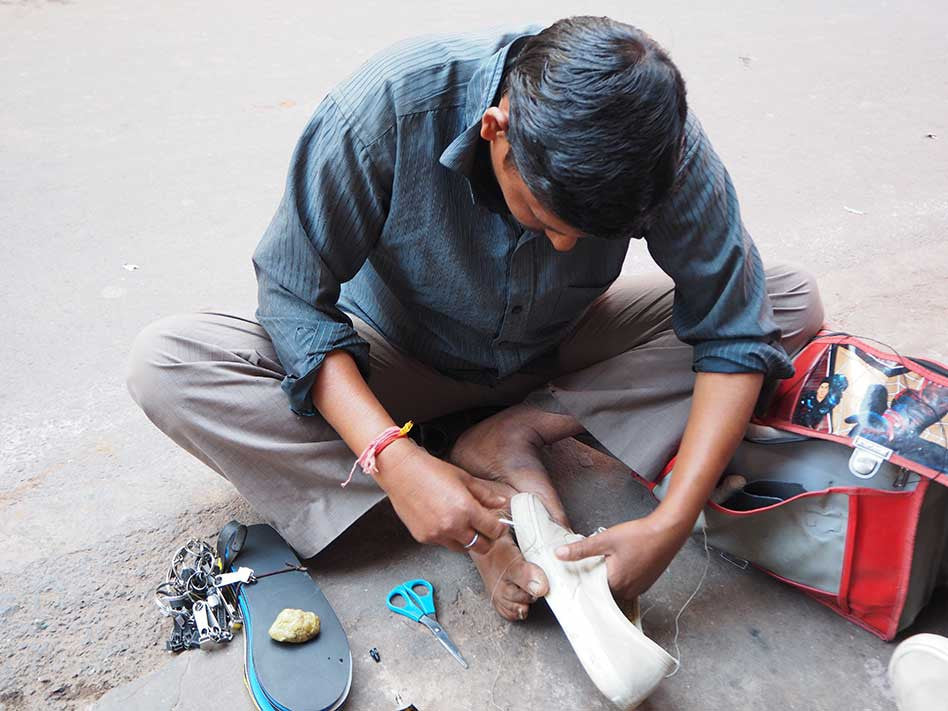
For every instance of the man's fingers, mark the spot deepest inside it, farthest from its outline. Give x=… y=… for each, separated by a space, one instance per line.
x=481 y=546
x=488 y=524
x=490 y=494
x=599 y=544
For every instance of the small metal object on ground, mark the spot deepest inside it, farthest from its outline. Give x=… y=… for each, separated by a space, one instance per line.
x=374 y=653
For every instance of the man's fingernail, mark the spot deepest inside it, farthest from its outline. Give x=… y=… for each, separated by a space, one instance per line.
x=534 y=587
x=562 y=552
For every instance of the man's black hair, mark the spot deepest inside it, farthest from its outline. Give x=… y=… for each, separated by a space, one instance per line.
x=597 y=118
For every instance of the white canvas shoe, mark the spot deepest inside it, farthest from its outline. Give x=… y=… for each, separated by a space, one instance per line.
x=918 y=672
x=622 y=662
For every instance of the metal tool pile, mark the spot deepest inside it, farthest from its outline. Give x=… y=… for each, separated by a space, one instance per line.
x=200 y=590
x=200 y=598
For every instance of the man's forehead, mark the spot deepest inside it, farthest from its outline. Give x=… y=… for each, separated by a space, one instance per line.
x=549 y=219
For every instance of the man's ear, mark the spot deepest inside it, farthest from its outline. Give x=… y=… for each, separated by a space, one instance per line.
x=494 y=124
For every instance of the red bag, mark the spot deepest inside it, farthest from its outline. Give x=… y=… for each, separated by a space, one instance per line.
x=845 y=483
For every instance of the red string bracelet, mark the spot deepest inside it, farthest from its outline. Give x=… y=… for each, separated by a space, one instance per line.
x=366 y=460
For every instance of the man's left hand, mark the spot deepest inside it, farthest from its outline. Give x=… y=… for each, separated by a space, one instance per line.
x=637 y=552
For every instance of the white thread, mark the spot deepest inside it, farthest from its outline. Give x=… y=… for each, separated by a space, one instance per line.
x=494 y=703
x=500 y=579
x=707 y=564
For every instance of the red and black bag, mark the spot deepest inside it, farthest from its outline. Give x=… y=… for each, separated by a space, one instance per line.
x=841 y=487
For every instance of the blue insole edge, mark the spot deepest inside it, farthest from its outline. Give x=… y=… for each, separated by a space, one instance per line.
x=259 y=695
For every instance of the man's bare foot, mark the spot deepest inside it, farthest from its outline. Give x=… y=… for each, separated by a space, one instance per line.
x=511 y=582
x=506 y=448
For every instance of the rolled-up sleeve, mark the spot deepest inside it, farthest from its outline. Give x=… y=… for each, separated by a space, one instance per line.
x=721 y=304
x=328 y=220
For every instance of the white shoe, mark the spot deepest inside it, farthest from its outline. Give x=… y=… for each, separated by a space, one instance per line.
x=622 y=662
x=918 y=672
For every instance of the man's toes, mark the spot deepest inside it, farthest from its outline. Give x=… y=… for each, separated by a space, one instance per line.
x=513 y=611
x=528 y=577
x=511 y=602
x=515 y=595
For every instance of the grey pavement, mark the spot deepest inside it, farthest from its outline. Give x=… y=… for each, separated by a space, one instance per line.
x=158 y=135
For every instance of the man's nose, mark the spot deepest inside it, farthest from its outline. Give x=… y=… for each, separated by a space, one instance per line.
x=561 y=243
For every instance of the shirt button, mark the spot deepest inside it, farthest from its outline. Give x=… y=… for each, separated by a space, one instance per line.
x=516 y=309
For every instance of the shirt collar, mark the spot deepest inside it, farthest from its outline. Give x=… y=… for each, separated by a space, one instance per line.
x=460 y=155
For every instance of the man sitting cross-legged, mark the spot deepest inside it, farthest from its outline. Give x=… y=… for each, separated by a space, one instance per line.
x=451 y=236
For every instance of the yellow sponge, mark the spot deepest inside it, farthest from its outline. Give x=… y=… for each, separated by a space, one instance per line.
x=295 y=626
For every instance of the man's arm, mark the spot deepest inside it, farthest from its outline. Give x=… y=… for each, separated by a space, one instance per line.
x=330 y=218
x=721 y=309
x=637 y=552
x=721 y=407
x=438 y=502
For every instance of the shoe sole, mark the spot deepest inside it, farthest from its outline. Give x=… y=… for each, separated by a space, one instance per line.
x=621 y=661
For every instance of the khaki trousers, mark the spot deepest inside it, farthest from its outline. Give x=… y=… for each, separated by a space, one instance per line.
x=211 y=382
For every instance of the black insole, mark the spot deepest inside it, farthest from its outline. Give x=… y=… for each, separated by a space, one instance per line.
x=311 y=676
x=781 y=490
x=761 y=493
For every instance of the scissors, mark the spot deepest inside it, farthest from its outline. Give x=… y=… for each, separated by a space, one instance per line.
x=420 y=607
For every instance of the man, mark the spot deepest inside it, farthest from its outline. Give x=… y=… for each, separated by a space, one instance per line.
x=452 y=234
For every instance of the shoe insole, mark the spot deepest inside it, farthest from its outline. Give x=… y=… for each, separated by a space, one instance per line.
x=312 y=676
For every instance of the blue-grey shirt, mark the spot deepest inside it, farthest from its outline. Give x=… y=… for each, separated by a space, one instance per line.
x=388 y=215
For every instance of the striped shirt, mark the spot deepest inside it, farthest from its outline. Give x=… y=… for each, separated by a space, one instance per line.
x=391 y=215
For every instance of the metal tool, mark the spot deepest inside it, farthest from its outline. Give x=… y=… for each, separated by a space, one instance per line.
x=241 y=575
x=420 y=607
x=206 y=629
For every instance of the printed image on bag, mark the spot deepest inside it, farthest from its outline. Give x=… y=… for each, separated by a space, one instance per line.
x=855 y=392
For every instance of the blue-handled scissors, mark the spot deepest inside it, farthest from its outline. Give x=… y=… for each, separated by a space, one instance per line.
x=420 y=607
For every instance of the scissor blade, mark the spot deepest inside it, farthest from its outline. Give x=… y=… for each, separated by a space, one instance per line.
x=432 y=624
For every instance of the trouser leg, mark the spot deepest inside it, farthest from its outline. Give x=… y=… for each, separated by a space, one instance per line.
x=628 y=380
x=211 y=382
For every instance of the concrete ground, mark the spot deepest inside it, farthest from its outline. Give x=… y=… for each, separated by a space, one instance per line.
x=158 y=135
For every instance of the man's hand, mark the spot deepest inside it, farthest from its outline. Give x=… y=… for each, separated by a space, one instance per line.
x=637 y=552
x=439 y=502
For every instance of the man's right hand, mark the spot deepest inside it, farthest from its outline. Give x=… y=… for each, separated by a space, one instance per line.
x=439 y=502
